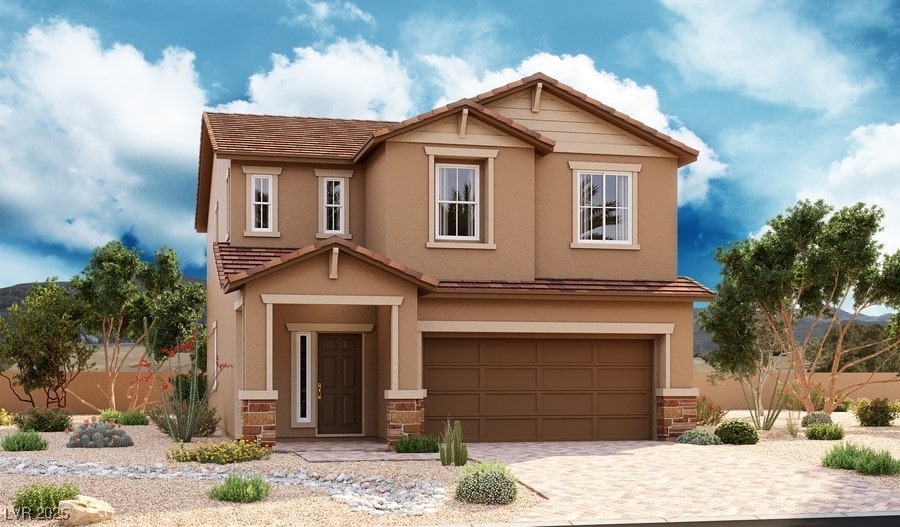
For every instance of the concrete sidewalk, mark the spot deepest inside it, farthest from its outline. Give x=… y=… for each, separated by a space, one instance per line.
x=653 y=481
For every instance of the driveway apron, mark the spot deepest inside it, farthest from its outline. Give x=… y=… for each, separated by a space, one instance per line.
x=586 y=481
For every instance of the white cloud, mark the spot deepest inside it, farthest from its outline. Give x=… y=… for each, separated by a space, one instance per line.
x=480 y=41
x=352 y=79
x=763 y=50
x=320 y=15
x=457 y=79
x=97 y=142
x=868 y=173
x=21 y=266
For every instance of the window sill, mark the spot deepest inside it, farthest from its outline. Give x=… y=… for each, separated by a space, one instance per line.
x=323 y=235
x=606 y=246
x=262 y=234
x=460 y=245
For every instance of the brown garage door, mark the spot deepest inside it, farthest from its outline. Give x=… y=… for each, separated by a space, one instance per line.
x=540 y=389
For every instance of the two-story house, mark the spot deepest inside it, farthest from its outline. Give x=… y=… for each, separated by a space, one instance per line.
x=507 y=260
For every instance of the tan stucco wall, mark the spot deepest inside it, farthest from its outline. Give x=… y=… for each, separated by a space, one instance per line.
x=571 y=310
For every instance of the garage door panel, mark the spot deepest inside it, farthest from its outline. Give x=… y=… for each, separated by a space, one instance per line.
x=540 y=389
x=503 y=404
x=509 y=352
x=510 y=379
x=499 y=429
x=450 y=404
x=567 y=378
x=567 y=403
x=453 y=378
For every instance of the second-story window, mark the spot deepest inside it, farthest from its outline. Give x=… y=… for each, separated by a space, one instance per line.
x=334 y=205
x=262 y=203
x=457 y=202
x=604 y=207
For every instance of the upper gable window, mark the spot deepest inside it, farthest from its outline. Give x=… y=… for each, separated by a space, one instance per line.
x=334 y=202
x=262 y=200
x=457 y=204
x=604 y=205
x=461 y=197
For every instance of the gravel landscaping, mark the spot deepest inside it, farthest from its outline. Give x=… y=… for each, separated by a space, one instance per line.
x=146 y=488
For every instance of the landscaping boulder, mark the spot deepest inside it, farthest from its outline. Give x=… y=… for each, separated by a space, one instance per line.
x=84 y=510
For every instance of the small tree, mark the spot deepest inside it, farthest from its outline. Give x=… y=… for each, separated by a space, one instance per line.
x=813 y=262
x=40 y=337
x=132 y=303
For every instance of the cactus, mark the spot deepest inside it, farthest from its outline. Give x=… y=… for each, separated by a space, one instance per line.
x=96 y=434
x=453 y=451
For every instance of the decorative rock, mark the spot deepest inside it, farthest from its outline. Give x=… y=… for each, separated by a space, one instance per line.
x=84 y=510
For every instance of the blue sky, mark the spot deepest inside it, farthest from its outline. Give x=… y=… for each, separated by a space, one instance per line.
x=100 y=101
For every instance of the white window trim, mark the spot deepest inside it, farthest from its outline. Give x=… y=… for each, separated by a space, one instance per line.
x=486 y=197
x=272 y=173
x=326 y=174
x=213 y=342
x=476 y=195
x=592 y=167
x=298 y=420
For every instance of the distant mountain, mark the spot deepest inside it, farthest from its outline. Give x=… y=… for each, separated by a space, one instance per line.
x=703 y=343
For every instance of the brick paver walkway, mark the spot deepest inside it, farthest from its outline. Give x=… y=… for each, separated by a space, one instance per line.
x=586 y=481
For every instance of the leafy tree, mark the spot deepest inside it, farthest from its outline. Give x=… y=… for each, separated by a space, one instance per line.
x=813 y=261
x=41 y=338
x=131 y=302
x=860 y=340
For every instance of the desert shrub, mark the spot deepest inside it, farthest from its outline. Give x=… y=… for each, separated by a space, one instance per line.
x=416 y=443
x=879 y=412
x=709 y=413
x=453 y=450
x=6 y=418
x=99 y=434
x=205 y=418
x=814 y=418
x=129 y=418
x=825 y=431
x=110 y=415
x=698 y=436
x=736 y=432
x=23 y=441
x=40 y=501
x=44 y=420
x=793 y=426
x=221 y=452
x=864 y=460
x=241 y=489
x=182 y=383
x=490 y=483
x=816 y=394
x=844 y=406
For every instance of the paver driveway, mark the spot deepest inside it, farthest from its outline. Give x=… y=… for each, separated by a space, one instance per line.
x=591 y=481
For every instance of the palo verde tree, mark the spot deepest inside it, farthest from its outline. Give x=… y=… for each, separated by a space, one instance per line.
x=132 y=303
x=41 y=338
x=813 y=262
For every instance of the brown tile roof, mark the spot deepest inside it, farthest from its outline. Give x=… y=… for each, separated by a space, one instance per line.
x=280 y=136
x=238 y=265
x=680 y=287
x=607 y=111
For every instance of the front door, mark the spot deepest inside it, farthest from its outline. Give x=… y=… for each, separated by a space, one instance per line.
x=340 y=384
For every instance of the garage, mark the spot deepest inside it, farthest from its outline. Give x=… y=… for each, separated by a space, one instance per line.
x=553 y=389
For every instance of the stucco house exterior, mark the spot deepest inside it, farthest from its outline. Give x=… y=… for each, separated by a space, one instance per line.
x=508 y=260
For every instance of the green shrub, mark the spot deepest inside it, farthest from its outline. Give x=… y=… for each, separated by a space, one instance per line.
x=6 y=418
x=879 y=412
x=793 y=427
x=736 y=432
x=39 y=501
x=864 y=460
x=816 y=394
x=453 y=450
x=23 y=441
x=709 y=413
x=99 y=434
x=815 y=417
x=110 y=414
x=416 y=443
x=129 y=418
x=241 y=489
x=844 y=406
x=205 y=417
x=44 y=420
x=490 y=483
x=698 y=436
x=220 y=452
x=825 y=431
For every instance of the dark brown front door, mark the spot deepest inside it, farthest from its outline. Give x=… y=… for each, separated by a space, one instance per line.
x=340 y=381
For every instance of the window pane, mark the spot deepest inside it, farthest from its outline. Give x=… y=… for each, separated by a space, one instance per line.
x=447 y=183
x=447 y=219
x=585 y=232
x=262 y=216
x=466 y=220
x=333 y=192
x=302 y=381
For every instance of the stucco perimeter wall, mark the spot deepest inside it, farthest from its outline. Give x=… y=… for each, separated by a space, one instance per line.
x=310 y=277
x=728 y=393
x=85 y=385
x=657 y=222
x=400 y=208
x=579 y=310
